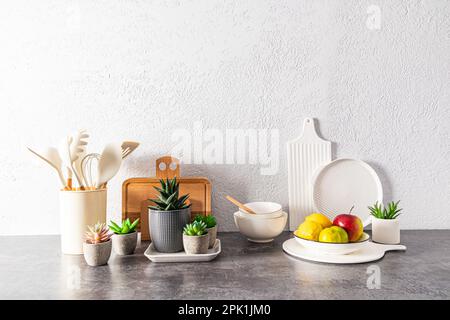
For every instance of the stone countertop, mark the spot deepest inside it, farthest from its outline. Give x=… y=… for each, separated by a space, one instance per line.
x=32 y=267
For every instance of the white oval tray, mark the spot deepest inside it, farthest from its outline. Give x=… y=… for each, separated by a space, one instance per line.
x=156 y=256
x=371 y=252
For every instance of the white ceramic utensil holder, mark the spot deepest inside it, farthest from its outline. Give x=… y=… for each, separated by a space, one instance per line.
x=386 y=231
x=78 y=209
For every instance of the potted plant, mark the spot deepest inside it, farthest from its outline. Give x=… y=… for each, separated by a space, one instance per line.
x=385 y=225
x=124 y=239
x=211 y=227
x=168 y=216
x=97 y=245
x=195 y=238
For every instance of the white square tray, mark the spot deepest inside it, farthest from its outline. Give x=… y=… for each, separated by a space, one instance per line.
x=156 y=256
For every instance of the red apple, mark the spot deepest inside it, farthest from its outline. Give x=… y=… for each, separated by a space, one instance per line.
x=352 y=224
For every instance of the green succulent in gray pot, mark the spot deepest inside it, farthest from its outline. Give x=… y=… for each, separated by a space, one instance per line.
x=195 y=238
x=168 y=215
x=211 y=227
x=124 y=240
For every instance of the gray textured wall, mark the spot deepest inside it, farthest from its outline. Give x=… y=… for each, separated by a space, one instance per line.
x=139 y=69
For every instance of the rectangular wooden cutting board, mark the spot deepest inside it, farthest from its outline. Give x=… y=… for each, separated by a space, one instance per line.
x=137 y=191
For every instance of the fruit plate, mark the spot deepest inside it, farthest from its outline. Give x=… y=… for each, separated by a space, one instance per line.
x=156 y=256
x=333 y=248
x=370 y=252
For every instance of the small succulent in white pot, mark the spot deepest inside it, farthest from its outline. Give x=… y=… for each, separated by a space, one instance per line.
x=385 y=223
x=97 y=246
x=124 y=239
x=195 y=238
x=211 y=227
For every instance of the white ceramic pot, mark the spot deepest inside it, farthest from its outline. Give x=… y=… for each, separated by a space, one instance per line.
x=78 y=209
x=386 y=231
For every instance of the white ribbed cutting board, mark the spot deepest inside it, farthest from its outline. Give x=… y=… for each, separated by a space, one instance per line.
x=305 y=155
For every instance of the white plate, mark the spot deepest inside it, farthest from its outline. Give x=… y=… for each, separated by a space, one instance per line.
x=344 y=183
x=182 y=256
x=371 y=252
x=334 y=248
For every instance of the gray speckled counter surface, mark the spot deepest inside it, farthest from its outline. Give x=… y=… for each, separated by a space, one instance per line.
x=33 y=268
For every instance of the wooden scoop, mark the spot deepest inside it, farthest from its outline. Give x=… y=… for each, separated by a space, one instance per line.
x=240 y=205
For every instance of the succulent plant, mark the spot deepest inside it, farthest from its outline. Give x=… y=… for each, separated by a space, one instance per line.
x=196 y=228
x=125 y=228
x=391 y=212
x=168 y=198
x=98 y=233
x=209 y=220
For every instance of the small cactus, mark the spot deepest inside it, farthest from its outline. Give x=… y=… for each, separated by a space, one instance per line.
x=98 y=233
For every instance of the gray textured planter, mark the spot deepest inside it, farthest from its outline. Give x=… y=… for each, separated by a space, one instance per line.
x=124 y=244
x=212 y=235
x=97 y=254
x=166 y=229
x=196 y=244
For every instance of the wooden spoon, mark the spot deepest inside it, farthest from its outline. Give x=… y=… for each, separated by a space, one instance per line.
x=240 y=205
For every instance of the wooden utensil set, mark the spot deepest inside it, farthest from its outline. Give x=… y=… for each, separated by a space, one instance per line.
x=92 y=171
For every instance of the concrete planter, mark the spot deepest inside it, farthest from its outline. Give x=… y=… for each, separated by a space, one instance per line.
x=124 y=244
x=166 y=229
x=196 y=244
x=97 y=254
x=212 y=232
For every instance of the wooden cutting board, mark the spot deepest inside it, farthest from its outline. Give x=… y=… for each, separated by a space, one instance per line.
x=306 y=154
x=137 y=191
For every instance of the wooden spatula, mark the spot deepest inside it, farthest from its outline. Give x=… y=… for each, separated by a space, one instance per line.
x=240 y=205
x=128 y=147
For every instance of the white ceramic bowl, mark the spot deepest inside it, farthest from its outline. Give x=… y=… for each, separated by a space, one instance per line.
x=263 y=210
x=260 y=230
x=334 y=248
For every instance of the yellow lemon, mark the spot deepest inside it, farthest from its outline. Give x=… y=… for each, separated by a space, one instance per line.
x=334 y=234
x=320 y=219
x=309 y=230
